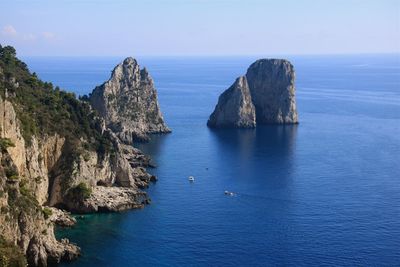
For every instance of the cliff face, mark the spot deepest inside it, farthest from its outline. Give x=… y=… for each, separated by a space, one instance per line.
x=34 y=160
x=24 y=185
x=235 y=107
x=55 y=151
x=269 y=90
x=112 y=180
x=128 y=103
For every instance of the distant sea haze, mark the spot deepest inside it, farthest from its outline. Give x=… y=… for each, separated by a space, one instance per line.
x=324 y=192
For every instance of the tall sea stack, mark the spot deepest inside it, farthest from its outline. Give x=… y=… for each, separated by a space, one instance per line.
x=128 y=103
x=271 y=83
x=271 y=90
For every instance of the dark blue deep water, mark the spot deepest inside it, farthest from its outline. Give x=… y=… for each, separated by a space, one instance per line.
x=323 y=193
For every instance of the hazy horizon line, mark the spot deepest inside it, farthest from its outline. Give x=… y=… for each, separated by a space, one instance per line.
x=218 y=55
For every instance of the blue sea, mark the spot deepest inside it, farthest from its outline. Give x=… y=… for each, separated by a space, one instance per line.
x=325 y=192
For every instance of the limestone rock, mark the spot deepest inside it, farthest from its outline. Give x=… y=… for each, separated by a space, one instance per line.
x=111 y=199
x=266 y=95
x=128 y=103
x=61 y=217
x=235 y=107
x=271 y=83
x=122 y=171
x=42 y=251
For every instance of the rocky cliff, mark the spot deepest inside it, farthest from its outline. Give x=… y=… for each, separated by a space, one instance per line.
x=128 y=103
x=271 y=91
x=235 y=107
x=24 y=183
x=55 y=151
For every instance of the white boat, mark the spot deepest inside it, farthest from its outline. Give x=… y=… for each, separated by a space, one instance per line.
x=229 y=193
x=191 y=178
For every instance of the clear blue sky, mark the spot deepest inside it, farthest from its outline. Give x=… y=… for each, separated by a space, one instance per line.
x=200 y=27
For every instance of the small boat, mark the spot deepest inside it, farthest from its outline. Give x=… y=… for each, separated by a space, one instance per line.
x=229 y=193
x=191 y=178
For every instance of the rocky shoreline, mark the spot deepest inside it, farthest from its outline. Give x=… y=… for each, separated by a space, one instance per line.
x=112 y=199
x=61 y=217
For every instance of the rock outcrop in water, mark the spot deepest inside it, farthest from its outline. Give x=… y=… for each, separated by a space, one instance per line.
x=271 y=83
x=128 y=103
x=235 y=107
x=56 y=152
x=271 y=90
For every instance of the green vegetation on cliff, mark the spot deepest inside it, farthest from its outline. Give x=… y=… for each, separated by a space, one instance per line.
x=44 y=109
x=79 y=193
x=16 y=201
x=47 y=213
x=5 y=143
x=11 y=255
x=19 y=197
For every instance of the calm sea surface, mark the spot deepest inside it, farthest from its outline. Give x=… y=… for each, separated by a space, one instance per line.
x=323 y=193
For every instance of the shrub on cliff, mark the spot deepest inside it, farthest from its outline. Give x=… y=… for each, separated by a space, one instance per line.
x=47 y=213
x=5 y=143
x=79 y=193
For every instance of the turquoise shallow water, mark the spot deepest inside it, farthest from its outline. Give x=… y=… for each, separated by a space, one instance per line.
x=325 y=192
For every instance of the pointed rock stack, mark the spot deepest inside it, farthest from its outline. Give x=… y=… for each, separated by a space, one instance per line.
x=128 y=103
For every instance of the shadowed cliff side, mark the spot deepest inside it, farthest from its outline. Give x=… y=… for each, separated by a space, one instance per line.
x=235 y=107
